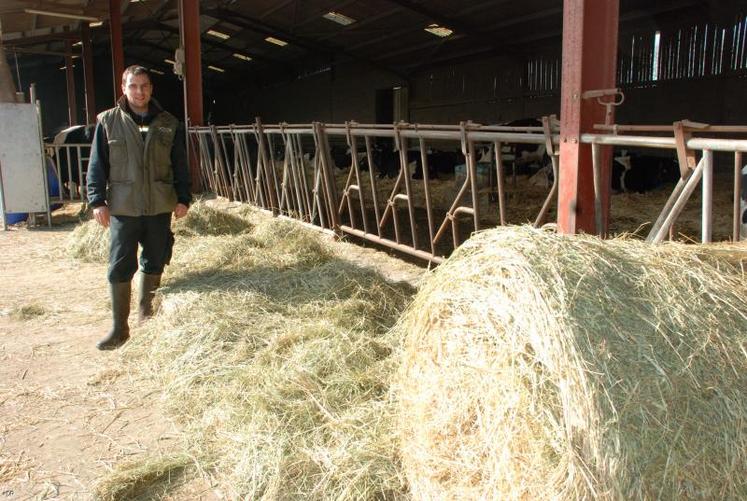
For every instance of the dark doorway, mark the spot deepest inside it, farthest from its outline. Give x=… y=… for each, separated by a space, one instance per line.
x=385 y=106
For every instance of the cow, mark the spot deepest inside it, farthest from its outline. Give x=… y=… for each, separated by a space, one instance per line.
x=636 y=173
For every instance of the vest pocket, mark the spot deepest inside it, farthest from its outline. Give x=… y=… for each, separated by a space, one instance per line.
x=121 y=198
x=118 y=161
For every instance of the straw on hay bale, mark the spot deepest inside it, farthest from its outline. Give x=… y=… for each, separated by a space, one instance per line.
x=539 y=366
x=276 y=357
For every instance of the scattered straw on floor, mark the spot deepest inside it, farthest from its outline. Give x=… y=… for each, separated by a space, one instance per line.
x=28 y=311
x=138 y=479
x=539 y=366
x=275 y=355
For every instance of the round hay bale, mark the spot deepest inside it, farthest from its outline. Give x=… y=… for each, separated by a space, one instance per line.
x=539 y=366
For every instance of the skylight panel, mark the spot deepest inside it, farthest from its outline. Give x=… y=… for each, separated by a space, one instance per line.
x=439 y=31
x=241 y=56
x=276 y=41
x=215 y=68
x=218 y=34
x=339 y=18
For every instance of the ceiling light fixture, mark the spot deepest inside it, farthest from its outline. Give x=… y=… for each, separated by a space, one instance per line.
x=215 y=68
x=339 y=18
x=95 y=24
x=218 y=34
x=276 y=41
x=168 y=61
x=241 y=56
x=157 y=72
x=439 y=31
x=66 y=15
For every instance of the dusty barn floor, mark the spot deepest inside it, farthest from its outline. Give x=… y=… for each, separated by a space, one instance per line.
x=68 y=412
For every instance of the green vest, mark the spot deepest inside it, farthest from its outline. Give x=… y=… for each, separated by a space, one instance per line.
x=141 y=178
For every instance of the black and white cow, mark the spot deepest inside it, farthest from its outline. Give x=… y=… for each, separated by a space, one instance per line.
x=637 y=173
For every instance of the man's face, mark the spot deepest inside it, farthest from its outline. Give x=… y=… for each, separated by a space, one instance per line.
x=138 y=90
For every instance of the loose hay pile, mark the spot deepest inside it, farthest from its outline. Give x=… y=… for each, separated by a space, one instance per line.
x=276 y=358
x=89 y=242
x=544 y=367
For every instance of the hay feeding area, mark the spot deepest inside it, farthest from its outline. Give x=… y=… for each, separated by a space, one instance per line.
x=275 y=355
x=538 y=366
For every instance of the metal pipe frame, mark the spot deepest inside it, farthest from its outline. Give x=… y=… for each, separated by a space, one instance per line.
x=292 y=187
x=57 y=152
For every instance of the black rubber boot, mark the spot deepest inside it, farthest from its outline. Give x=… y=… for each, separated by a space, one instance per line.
x=148 y=286
x=120 y=333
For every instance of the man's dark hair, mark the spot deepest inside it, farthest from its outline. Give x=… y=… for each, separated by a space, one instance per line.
x=136 y=69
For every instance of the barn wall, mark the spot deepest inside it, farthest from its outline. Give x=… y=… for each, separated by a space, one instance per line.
x=346 y=92
x=717 y=100
x=488 y=91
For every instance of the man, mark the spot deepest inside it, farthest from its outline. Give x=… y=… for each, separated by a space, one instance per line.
x=137 y=176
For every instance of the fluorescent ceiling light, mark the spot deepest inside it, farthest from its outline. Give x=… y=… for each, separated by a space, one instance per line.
x=339 y=18
x=76 y=44
x=65 y=67
x=218 y=34
x=241 y=56
x=215 y=68
x=168 y=61
x=276 y=41
x=157 y=72
x=439 y=31
x=95 y=24
x=66 y=15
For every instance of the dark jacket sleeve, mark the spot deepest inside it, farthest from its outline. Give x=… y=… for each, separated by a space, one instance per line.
x=179 y=164
x=98 y=168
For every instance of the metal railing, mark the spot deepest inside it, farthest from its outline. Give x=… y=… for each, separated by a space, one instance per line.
x=70 y=164
x=692 y=170
x=288 y=169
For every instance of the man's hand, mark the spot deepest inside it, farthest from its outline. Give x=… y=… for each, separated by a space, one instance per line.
x=180 y=210
x=101 y=215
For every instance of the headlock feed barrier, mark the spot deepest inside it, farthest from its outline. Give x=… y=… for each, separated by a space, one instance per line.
x=288 y=169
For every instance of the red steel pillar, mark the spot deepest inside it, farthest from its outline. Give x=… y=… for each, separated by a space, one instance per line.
x=72 y=105
x=115 y=28
x=85 y=38
x=189 y=17
x=590 y=31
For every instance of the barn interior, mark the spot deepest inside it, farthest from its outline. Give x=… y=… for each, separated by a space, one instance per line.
x=497 y=349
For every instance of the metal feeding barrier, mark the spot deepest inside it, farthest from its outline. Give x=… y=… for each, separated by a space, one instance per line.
x=288 y=170
x=692 y=170
x=70 y=165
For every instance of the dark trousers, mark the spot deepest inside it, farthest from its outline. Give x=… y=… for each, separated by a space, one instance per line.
x=153 y=233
